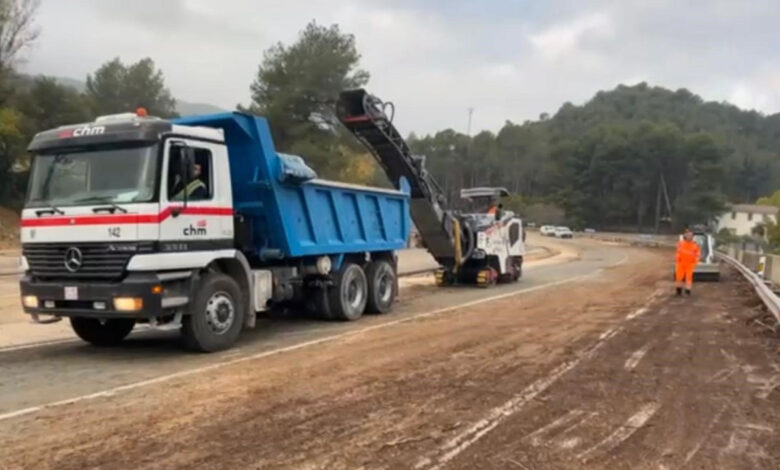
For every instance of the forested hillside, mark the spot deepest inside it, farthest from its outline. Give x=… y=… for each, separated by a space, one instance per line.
x=606 y=162
x=635 y=156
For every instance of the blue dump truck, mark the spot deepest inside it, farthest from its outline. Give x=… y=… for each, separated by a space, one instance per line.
x=197 y=224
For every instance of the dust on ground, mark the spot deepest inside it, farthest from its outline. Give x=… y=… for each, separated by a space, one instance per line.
x=683 y=381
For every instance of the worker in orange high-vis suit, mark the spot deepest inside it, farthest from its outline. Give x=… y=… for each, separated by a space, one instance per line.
x=688 y=253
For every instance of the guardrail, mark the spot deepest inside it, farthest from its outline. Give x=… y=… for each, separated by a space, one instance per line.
x=760 y=285
x=649 y=240
x=768 y=265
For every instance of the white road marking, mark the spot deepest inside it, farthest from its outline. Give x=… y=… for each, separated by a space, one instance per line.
x=738 y=443
x=535 y=437
x=570 y=443
x=636 y=313
x=497 y=415
x=579 y=423
x=765 y=385
x=722 y=375
x=197 y=370
x=704 y=436
x=756 y=427
x=38 y=344
x=637 y=356
x=52 y=342
x=572 y=420
x=639 y=312
x=626 y=430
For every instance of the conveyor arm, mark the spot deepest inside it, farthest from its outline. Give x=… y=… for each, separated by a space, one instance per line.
x=365 y=116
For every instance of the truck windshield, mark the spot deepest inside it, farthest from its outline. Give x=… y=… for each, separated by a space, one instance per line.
x=113 y=175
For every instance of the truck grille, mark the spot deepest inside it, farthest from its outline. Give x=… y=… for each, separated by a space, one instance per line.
x=104 y=261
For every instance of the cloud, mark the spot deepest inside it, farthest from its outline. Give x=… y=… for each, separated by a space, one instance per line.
x=566 y=38
x=760 y=90
x=506 y=59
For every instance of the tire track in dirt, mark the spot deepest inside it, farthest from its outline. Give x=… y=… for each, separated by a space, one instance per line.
x=697 y=399
x=375 y=399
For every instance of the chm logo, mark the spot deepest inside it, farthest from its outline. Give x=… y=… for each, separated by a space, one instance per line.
x=198 y=229
x=82 y=131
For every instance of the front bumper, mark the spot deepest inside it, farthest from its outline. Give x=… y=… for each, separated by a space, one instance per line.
x=134 y=285
x=707 y=268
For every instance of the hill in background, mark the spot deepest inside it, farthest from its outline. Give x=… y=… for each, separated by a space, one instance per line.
x=184 y=108
x=608 y=161
x=751 y=139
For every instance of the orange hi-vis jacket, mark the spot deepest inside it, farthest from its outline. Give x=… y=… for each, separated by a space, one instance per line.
x=688 y=253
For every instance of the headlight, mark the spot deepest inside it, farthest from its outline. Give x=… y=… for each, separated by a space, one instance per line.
x=23 y=264
x=128 y=304
x=30 y=301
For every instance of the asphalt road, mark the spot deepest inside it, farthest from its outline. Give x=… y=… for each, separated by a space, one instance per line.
x=50 y=373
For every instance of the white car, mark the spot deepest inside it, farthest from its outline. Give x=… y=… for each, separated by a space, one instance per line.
x=547 y=230
x=563 y=232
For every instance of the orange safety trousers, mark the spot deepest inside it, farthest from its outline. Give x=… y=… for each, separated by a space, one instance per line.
x=684 y=272
x=688 y=253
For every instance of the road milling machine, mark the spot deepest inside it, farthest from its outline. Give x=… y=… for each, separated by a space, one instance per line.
x=482 y=246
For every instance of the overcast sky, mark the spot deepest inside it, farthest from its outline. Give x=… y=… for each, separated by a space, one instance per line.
x=509 y=60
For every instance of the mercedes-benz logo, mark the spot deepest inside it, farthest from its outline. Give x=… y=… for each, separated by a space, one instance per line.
x=73 y=259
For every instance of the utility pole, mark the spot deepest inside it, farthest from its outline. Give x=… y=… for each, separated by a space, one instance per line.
x=468 y=150
x=658 y=207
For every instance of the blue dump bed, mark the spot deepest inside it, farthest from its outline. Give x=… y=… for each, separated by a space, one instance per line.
x=293 y=214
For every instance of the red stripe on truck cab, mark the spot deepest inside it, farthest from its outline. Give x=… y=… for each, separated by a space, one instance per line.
x=121 y=219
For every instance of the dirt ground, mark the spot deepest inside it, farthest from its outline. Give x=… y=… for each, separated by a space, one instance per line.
x=9 y=228
x=608 y=372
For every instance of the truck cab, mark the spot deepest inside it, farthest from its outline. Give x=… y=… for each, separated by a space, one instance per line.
x=196 y=224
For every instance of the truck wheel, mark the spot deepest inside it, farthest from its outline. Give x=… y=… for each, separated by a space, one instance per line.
x=348 y=296
x=215 y=315
x=109 y=332
x=444 y=277
x=381 y=286
x=514 y=266
x=517 y=262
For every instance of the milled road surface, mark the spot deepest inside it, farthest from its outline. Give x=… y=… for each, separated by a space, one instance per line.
x=592 y=365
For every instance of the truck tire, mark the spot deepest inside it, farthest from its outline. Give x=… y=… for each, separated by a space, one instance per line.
x=517 y=262
x=348 y=296
x=381 y=286
x=215 y=316
x=110 y=332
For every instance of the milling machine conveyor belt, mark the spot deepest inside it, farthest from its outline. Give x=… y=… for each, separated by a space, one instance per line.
x=365 y=116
